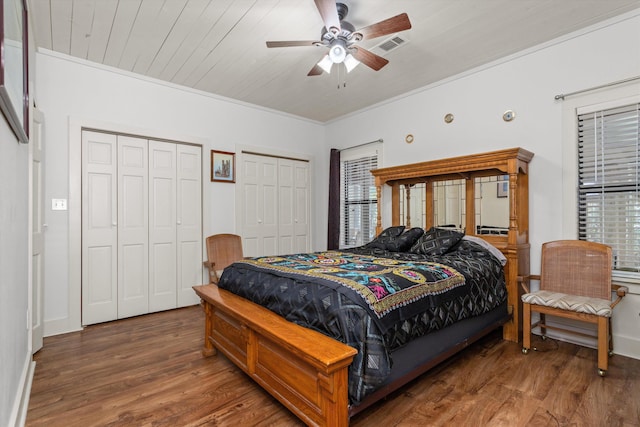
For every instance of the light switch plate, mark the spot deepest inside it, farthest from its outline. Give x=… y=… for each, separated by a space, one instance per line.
x=58 y=204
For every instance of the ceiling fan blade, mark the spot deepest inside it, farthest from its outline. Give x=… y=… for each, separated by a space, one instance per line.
x=388 y=26
x=369 y=59
x=293 y=43
x=315 y=71
x=329 y=13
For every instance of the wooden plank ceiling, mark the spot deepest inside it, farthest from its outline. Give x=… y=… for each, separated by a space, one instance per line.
x=218 y=46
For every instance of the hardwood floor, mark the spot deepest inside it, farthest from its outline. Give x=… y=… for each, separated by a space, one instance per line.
x=148 y=371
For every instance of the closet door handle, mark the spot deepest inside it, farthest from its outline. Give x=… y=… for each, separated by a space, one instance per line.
x=179 y=222
x=114 y=224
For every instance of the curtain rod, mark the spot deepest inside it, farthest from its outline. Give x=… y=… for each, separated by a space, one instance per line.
x=363 y=144
x=562 y=96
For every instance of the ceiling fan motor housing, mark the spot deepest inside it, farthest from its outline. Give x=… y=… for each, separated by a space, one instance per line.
x=347 y=33
x=343 y=10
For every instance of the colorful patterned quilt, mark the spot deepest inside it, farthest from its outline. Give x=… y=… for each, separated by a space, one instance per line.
x=383 y=284
x=373 y=300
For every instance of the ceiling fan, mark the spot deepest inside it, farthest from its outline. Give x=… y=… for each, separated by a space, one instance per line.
x=341 y=38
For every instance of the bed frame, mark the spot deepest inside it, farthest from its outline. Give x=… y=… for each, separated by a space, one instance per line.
x=307 y=371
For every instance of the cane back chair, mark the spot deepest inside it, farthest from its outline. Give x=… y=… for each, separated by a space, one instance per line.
x=222 y=250
x=575 y=283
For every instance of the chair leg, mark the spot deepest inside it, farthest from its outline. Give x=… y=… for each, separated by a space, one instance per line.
x=526 y=327
x=543 y=323
x=610 y=337
x=603 y=345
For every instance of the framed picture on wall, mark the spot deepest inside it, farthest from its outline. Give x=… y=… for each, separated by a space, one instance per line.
x=14 y=78
x=223 y=166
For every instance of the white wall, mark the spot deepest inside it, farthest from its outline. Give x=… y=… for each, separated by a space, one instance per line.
x=525 y=83
x=74 y=93
x=15 y=355
x=16 y=365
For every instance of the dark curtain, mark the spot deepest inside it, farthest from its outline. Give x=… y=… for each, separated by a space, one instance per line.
x=333 y=236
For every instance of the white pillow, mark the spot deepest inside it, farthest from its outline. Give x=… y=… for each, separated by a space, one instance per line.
x=488 y=246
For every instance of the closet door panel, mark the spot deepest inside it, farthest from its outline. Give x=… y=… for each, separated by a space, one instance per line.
x=260 y=205
x=285 y=199
x=275 y=205
x=99 y=228
x=269 y=201
x=301 y=207
x=252 y=205
x=162 y=226
x=133 y=229
x=189 y=221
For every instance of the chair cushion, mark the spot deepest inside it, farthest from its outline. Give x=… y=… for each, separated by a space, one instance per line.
x=580 y=304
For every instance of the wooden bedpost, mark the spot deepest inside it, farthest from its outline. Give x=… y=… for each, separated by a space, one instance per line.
x=379 y=200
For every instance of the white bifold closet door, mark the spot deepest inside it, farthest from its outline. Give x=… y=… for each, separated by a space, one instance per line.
x=189 y=222
x=275 y=205
x=162 y=225
x=141 y=226
x=293 y=206
x=132 y=227
x=260 y=213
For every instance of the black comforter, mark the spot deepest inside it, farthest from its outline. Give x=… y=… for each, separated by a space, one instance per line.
x=371 y=299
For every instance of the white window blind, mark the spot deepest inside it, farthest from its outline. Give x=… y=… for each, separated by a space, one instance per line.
x=358 y=201
x=609 y=183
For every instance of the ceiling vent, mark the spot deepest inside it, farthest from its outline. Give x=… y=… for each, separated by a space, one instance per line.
x=392 y=43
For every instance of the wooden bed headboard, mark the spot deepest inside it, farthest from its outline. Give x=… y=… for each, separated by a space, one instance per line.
x=513 y=162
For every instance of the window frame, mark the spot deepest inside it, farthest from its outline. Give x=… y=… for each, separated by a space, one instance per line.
x=354 y=154
x=580 y=104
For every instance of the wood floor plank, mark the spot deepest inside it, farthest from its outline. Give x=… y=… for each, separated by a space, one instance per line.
x=148 y=371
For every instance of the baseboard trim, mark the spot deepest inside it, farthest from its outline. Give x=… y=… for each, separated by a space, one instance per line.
x=622 y=345
x=21 y=404
x=59 y=326
x=626 y=346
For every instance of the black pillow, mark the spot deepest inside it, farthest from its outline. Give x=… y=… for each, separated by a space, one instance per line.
x=403 y=242
x=436 y=241
x=385 y=237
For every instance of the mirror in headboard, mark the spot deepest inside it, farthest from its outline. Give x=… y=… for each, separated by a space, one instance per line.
x=449 y=203
x=492 y=205
x=413 y=202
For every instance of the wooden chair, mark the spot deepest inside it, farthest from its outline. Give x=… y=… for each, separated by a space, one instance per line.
x=222 y=250
x=575 y=283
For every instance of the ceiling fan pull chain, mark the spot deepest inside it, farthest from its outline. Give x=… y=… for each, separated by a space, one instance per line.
x=344 y=82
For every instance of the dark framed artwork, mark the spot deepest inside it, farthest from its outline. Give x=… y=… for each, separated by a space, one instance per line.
x=223 y=166
x=14 y=64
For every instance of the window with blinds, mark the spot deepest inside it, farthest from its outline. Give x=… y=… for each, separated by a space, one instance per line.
x=358 y=201
x=609 y=183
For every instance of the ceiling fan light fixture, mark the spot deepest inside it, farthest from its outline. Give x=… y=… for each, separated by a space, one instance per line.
x=350 y=62
x=326 y=63
x=338 y=51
